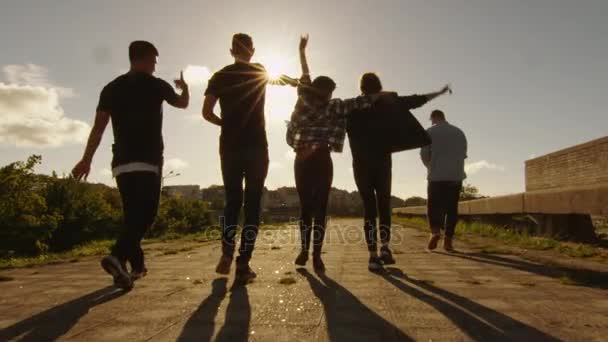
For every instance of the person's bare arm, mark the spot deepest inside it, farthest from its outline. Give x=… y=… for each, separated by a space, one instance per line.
x=303 y=60
x=83 y=167
x=208 y=114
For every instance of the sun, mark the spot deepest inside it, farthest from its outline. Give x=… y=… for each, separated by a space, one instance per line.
x=276 y=66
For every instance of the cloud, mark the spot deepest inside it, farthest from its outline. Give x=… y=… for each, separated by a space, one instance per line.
x=196 y=75
x=175 y=164
x=31 y=116
x=473 y=168
x=35 y=76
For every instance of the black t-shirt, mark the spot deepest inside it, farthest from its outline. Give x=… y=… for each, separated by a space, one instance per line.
x=241 y=89
x=134 y=101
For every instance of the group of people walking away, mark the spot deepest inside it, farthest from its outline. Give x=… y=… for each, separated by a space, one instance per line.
x=378 y=123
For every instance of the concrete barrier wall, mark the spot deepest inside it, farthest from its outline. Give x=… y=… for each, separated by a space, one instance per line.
x=592 y=200
x=581 y=165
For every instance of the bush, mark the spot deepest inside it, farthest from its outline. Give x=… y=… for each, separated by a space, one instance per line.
x=178 y=215
x=40 y=214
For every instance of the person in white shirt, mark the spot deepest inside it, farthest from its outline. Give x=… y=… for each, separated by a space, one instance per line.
x=444 y=160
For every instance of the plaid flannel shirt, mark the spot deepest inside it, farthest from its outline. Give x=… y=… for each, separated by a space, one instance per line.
x=322 y=124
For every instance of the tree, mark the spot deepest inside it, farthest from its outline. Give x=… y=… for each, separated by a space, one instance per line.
x=25 y=223
x=415 y=201
x=469 y=192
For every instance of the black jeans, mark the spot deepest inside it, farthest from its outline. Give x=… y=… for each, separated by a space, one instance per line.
x=140 y=194
x=373 y=177
x=314 y=175
x=249 y=165
x=443 y=206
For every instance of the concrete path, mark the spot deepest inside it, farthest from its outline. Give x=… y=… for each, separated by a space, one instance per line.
x=426 y=296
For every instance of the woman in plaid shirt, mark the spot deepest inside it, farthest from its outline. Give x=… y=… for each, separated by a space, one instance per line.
x=317 y=127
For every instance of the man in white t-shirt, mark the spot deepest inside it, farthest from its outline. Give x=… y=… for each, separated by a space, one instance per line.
x=444 y=159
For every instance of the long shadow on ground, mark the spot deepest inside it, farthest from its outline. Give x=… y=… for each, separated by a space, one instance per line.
x=201 y=324
x=479 y=322
x=238 y=316
x=347 y=318
x=577 y=276
x=53 y=323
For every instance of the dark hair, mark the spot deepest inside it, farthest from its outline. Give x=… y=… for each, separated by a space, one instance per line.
x=438 y=114
x=370 y=83
x=140 y=49
x=324 y=84
x=242 y=44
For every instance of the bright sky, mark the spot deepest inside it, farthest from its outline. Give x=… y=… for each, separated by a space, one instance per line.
x=529 y=77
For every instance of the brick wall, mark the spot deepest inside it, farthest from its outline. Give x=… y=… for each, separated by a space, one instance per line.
x=584 y=164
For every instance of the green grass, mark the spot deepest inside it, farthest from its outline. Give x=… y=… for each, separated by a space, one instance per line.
x=510 y=238
x=102 y=247
x=92 y=248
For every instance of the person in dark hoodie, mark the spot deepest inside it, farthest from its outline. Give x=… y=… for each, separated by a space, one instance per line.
x=373 y=136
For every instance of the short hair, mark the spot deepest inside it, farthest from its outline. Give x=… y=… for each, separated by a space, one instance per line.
x=242 y=44
x=438 y=114
x=324 y=84
x=370 y=83
x=140 y=49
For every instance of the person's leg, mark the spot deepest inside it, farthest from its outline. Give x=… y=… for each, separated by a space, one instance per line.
x=452 y=197
x=304 y=171
x=383 y=183
x=325 y=177
x=127 y=187
x=148 y=189
x=434 y=213
x=256 y=170
x=305 y=189
x=362 y=172
x=232 y=174
x=139 y=193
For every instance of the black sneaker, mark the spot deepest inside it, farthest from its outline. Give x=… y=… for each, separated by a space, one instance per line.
x=122 y=279
x=223 y=267
x=138 y=274
x=244 y=274
x=318 y=264
x=374 y=264
x=386 y=256
x=302 y=258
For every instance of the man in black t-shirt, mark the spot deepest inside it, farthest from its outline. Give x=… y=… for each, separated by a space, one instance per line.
x=241 y=91
x=134 y=103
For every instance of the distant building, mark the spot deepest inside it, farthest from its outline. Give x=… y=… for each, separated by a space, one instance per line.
x=183 y=191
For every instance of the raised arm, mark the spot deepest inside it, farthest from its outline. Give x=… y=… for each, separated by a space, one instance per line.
x=178 y=101
x=415 y=101
x=303 y=61
x=83 y=167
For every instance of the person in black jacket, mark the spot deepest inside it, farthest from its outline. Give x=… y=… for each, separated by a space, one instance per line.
x=134 y=102
x=372 y=146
